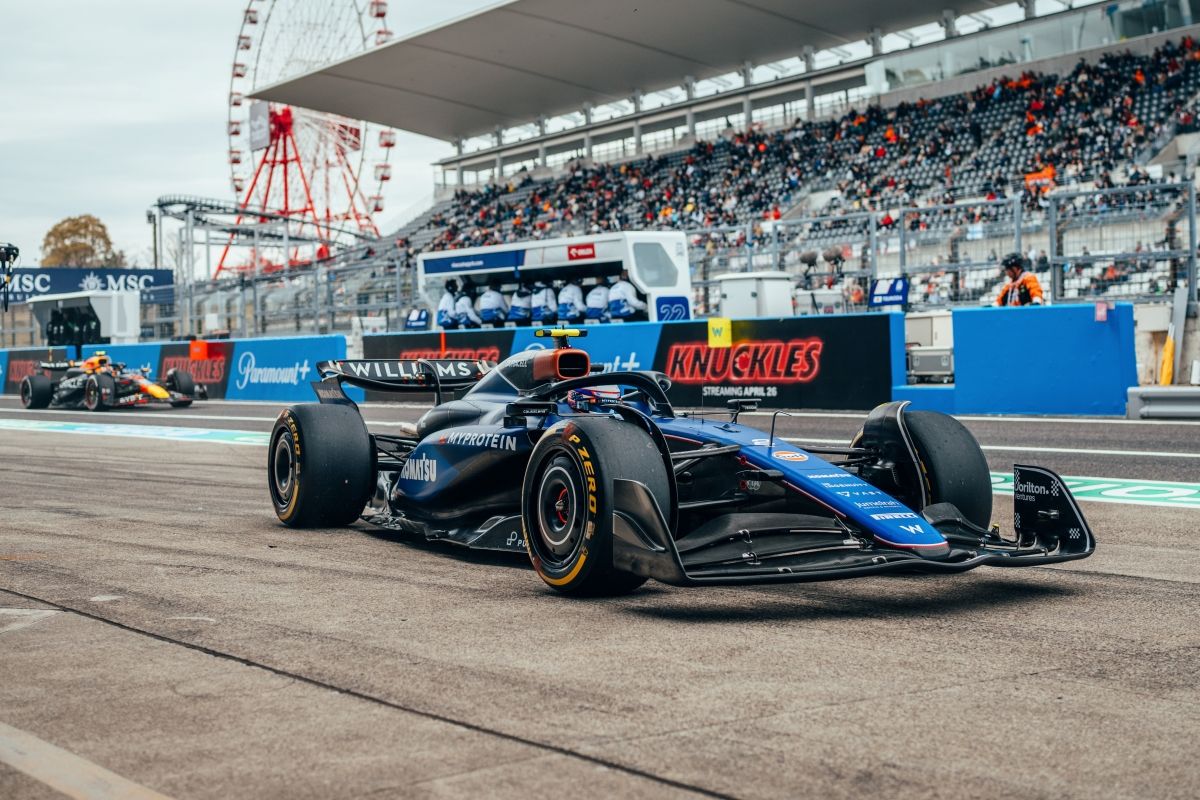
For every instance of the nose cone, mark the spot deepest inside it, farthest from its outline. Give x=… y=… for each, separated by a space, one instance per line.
x=156 y=391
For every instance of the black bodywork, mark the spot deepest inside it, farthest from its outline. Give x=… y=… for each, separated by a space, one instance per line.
x=72 y=385
x=739 y=505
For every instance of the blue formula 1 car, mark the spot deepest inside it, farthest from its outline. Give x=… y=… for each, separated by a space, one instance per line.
x=604 y=485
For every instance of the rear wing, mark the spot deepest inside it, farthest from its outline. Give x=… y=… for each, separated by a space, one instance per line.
x=435 y=375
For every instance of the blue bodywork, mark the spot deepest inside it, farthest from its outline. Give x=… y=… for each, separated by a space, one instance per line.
x=868 y=508
x=460 y=479
x=844 y=494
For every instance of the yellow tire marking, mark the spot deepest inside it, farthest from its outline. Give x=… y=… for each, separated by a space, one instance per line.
x=290 y=511
x=569 y=576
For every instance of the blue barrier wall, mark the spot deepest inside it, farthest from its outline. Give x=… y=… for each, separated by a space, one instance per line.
x=1055 y=360
x=1036 y=360
x=133 y=355
x=254 y=369
x=281 y=369
x=836 y=361
x=899 y=359
x=276 y=369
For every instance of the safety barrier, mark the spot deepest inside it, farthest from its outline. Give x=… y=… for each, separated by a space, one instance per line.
x=1049 y=360
x=843 y=361
x=1164 y=402
x=1036 y=360
x=232 y=369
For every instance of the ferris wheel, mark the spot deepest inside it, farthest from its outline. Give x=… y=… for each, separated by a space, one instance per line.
x=322 y=172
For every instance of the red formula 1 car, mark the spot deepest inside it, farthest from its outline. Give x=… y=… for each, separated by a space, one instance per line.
x=98 y=384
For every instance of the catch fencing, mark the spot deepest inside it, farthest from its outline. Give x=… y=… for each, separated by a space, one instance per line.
x=1134 y=243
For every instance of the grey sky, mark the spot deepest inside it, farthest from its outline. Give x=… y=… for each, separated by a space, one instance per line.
x=105 y=106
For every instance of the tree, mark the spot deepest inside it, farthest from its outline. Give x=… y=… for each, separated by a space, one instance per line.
x=81 y=241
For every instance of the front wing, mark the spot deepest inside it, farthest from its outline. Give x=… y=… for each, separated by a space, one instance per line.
x=1049 y=527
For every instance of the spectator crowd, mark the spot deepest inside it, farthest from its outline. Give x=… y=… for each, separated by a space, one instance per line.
x=1020 y=135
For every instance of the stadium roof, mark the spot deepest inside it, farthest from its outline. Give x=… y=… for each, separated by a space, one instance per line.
x=513 y=62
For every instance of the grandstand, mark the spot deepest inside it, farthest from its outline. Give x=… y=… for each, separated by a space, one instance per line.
x=824 y=171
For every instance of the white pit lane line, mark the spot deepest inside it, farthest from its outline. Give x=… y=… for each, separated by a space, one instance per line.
x=367 y=406
x=965 y=417
x=66 y=772
x=125 y=427
x=1024 y=449
x=1110 y=490
x=797 y=440
x=183 y=417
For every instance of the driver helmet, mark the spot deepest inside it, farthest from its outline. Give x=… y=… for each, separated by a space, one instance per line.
x=96 y=362
x=588 y=399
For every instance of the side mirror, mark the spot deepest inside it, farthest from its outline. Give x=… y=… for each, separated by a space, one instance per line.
x=739 y=404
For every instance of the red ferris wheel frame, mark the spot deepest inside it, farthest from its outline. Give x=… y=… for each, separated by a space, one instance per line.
x=309 y=173
x=280 y=158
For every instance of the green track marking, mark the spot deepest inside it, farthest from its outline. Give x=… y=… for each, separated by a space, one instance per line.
x=169 y=433
x=1119 y=490
x=1169 y=494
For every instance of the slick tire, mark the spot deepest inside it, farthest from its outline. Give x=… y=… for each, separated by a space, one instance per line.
x=99 y=392
x=183 y=383
x=320 y=470
x=567 y=501
x=36 y=391
x=954 y=467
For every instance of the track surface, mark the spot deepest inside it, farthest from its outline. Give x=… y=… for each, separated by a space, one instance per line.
x=194 y=646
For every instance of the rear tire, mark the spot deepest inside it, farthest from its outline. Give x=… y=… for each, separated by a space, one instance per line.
x=567 y=501
x=320 y=470
x=99 y=392
x=954 y=467
x=36 y=391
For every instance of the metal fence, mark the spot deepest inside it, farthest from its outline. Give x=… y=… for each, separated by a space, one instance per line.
x=1132 y=243
x=18 y=327
x=373 y=295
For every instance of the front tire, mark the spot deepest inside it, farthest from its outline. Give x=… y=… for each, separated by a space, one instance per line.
x=954 y=467
x=99 y=392
x=320 y=469
x=567 y=501
x=36 y=391
x=183 y=383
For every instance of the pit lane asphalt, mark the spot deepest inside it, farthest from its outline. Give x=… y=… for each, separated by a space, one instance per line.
x=200 y=649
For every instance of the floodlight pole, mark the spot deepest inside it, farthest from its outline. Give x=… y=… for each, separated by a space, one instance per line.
x=158 y=242
x=636 y=99
x=810 y=102
x=689 y=88
x=747 y=105
x=1191 y=259
x=587 y=133
x=1017 y=222
x=153 y=219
